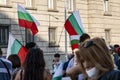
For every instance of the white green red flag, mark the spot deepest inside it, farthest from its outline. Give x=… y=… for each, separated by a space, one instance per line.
x=73 y=24
x=74 y=41
x=58 y=73
x=26 y=20
x=15 y=47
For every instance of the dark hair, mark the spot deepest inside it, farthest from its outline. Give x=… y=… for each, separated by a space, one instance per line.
x=30 y=45
x=83 y=37
x=118 y=51
x=34 y=65
x=14 y=58
x=0 y=51
x=57 y=55
x=116 y=46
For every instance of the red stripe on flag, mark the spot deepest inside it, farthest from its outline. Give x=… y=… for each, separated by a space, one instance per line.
x=74 y=46
x=22 y=54
x=69 y=28
x=27 y=24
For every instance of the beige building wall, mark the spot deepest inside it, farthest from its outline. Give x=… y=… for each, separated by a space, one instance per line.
x=99 y=20
x=94 y=19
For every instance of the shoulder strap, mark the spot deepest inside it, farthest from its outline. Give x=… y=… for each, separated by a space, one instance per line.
x=6 y=68
x=21 y=74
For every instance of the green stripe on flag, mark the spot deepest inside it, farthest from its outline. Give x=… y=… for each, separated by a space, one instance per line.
x=57 y=78
x=74 y=42
x=75 y=24
x=15 y=47
x=25 y=16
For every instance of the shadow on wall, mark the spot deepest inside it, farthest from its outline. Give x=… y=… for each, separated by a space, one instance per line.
x=9 y=23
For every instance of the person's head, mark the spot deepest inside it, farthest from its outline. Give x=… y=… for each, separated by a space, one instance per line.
x=14 y=58
x=76 y=51
x=34 y=65
x=94 y=55
x=118 y=51
x=56 y=57
x=115 y=47
x=111 y=49
x=30 y=45
x=1 y=52
x=84 y=37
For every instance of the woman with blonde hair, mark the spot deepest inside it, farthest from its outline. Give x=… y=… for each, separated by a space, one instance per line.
x=96 y=62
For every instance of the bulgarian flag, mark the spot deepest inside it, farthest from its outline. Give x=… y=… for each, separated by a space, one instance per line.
x=15 y=47
x=58 y=73
x=26 y=20
x=73 y=24
x=74 y=41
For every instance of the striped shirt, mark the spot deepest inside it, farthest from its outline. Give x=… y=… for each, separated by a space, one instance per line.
x=3 y=71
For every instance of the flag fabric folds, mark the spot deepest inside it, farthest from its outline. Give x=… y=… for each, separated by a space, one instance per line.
x=58 y=73
x=26 y=20
x=74 y=41
x=15 y=47
x=73 y=26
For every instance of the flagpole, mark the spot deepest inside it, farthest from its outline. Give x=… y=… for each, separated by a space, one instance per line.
x=65 y=31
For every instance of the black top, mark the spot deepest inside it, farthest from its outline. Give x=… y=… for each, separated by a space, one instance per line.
x=111 y=75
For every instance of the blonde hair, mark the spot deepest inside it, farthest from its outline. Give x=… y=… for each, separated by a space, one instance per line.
x=97 y=53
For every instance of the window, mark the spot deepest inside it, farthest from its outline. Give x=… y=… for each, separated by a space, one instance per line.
x=107 y=8
x=52 y=36
x=4 y=34
x=29 y=36
x=107 y=36
x=29 y=3
x=52 y=4
x=2 y=1
x=106 y=5
x=71 y=5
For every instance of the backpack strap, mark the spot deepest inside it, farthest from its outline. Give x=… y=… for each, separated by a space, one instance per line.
x=6 y=68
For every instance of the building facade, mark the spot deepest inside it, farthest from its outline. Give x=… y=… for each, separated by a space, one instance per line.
x=100 y=18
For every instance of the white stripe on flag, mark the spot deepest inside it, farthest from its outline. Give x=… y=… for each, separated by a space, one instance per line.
x=10 y=43
x=75 y=37
x=59 y=70
x=77 y=16
x=21 y=9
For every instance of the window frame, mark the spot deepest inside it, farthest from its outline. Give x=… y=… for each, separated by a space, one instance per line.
x=32 y=3
x=6 y=33
x=4 y=3
x=28 y=36
x=71 y=5
x=106 y=5
x=53 y=5
x=107 y=36
x=52 y=43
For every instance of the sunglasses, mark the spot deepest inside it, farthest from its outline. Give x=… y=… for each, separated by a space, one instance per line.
x=88 y=44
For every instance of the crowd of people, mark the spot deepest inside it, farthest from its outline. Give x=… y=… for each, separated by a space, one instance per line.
x=93 y=60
